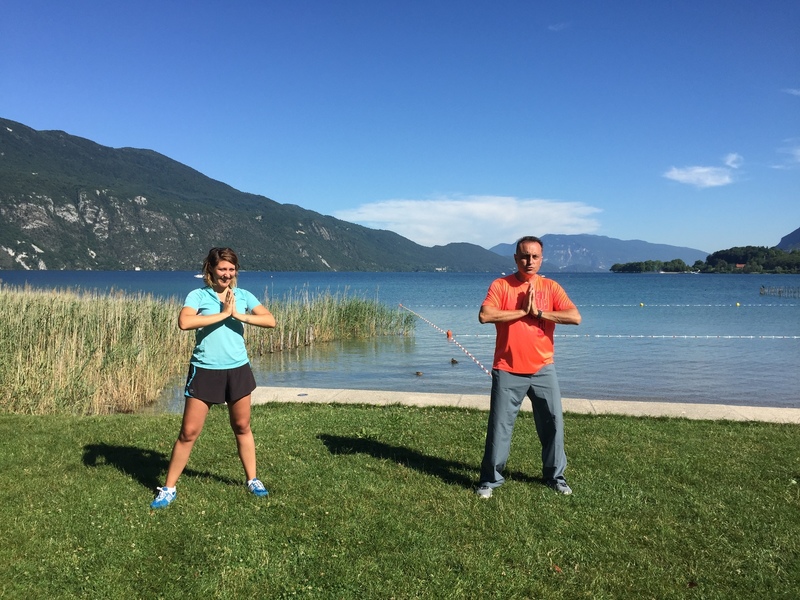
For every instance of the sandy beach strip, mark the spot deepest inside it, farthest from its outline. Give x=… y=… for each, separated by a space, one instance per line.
x=571 y=405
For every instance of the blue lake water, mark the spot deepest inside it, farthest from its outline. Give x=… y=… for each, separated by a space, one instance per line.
x=675 y=338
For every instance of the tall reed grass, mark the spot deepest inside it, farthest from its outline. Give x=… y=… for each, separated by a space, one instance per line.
x=304 y=319
x=65 y=351
x=85 y=353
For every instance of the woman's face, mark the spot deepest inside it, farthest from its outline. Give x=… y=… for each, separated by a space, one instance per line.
x=222 y=275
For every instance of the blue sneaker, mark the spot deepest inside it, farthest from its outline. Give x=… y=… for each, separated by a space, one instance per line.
x=255 y=486
x=165 y=497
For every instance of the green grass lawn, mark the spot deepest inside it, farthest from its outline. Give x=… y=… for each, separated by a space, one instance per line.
x=377 y=502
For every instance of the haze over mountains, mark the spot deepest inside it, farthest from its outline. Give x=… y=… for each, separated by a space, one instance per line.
x=599 y=253
x=69 y=203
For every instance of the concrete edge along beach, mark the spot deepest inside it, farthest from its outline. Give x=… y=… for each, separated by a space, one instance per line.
x=727 y=412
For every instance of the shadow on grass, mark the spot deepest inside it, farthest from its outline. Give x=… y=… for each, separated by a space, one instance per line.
x=449 y=471
x=145 y=466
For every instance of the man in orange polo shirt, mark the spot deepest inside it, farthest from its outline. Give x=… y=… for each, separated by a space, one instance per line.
x=525 y=308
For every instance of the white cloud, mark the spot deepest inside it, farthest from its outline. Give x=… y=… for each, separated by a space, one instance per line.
x=733 y=160
x=792 y=153
x=482 y=220
x=701 y=177
x=792 y=91
x=705 y=177
x=558 y=27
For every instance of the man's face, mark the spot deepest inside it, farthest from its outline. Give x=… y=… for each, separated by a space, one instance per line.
x=529 y=258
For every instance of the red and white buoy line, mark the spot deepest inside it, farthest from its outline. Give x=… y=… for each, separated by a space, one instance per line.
x=450 y=338
x=661 y=337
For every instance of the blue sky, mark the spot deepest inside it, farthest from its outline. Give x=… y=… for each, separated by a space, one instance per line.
x=674 y=122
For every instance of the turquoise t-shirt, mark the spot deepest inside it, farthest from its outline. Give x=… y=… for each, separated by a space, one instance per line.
x=221 y=345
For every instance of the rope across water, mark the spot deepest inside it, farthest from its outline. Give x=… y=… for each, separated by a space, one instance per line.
x=634 y=336
x=660 y=337
x=450 y=338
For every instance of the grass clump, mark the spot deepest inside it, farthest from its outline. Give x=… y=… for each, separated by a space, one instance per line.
x=371 y=502
x=305 y=318
x=85 y=353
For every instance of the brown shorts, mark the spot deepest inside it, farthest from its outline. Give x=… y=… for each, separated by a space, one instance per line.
x=218 y=386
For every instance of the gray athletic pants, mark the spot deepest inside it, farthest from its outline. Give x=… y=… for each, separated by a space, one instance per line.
x=508 y=392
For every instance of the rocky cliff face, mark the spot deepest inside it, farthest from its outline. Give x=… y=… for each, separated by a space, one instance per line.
x=92 y=230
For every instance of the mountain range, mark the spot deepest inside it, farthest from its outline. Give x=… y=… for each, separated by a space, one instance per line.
x=69 y=203
x=598 y=253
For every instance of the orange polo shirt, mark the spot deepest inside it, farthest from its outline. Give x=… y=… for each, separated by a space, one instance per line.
x=526 y=345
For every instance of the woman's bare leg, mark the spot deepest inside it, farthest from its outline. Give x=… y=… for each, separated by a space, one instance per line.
x=194 y=417
x=239 y=413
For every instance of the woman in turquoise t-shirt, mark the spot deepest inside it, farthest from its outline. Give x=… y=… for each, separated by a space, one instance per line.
x=219 y=371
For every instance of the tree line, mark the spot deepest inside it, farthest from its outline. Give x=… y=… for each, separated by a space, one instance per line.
x=742 y=259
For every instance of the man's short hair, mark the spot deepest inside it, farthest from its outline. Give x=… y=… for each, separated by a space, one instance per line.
x=527 y=239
